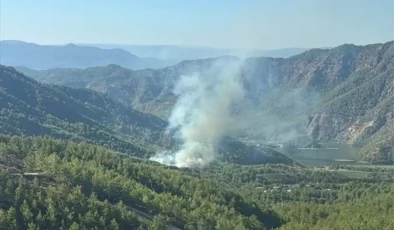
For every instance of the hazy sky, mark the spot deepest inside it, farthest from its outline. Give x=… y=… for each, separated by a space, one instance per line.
x=263 y=24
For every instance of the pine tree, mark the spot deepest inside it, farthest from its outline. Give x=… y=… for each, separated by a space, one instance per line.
x=74 y=226
x=26 y=212
x=11 y=219
x=158 y=223
x=32 y=226
x=114 y=225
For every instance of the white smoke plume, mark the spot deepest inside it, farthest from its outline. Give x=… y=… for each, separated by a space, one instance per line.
x=202 y=114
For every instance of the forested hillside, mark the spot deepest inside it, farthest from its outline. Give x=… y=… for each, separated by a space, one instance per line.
x=83 y=187
x=343 y=94
x=30 y=108
x=52 y=184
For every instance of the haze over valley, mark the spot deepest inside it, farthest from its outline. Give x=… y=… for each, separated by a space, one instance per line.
x=293 y=101
x=35 y=56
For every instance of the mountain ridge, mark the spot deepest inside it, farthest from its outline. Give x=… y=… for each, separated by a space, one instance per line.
x=71 y=55
x=31 y=55
x=179 y=53
x=330 y=81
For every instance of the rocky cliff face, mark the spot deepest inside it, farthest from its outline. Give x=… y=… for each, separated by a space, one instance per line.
x=363 y=102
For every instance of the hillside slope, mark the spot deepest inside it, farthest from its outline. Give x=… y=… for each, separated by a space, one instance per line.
x=80 y=186
x=343 y=94
x=360 y=109
x=30 y=108
x=47 y=183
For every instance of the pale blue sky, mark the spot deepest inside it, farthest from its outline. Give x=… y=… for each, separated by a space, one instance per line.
x=265 y=24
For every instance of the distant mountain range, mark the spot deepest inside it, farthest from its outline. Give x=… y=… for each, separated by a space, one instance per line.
x=18 y=53
x=34 y=56
x=344 y=94
x=175 y=54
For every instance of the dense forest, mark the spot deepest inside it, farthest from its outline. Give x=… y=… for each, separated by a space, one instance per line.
x=52 y=184
x=105 y=184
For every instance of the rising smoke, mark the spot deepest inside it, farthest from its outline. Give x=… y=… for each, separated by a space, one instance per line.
x=279 y=115
x=236 y=98
x=202 y=114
